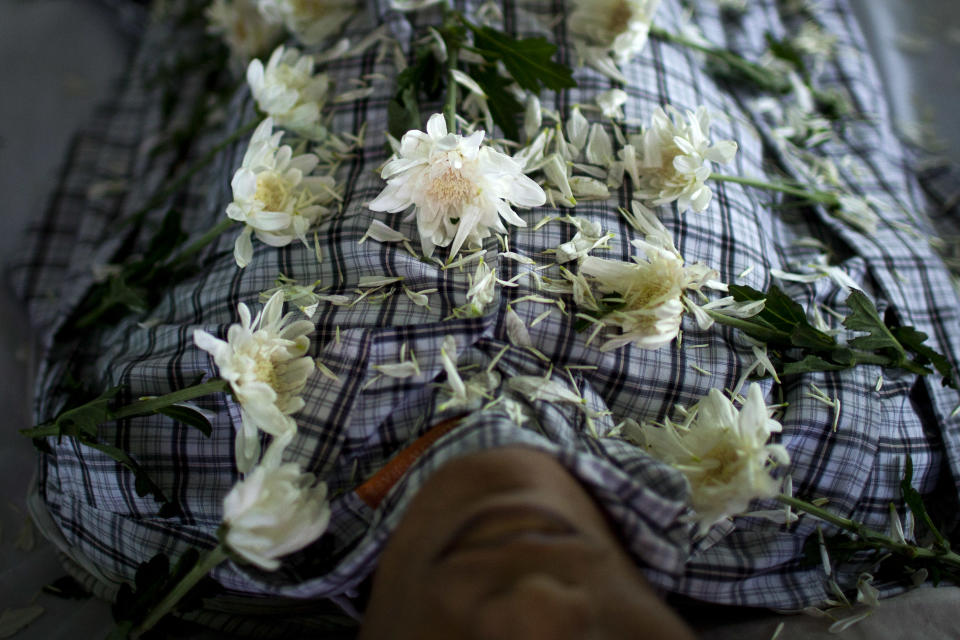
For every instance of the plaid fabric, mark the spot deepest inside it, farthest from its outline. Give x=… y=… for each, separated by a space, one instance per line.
x=351 y=428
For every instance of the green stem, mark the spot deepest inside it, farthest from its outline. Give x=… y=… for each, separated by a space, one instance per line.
x=821 y=197
x=204 y=565
x=662 y=34
x=871 y=537
x=748 y=71
x=202 y=241
x=43 y=431
x=180 y=180
x=152 y=405
x=770 y=335
x=450 y=104
x=866 y=357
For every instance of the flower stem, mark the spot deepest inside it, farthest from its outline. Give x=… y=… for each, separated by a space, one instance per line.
x=202 y=241
x=820 y=197
x=180 y=180
x=667 y=36
x=152 y=405
x=450 y=104
x=204 y=565
x=730 y=63
x=870 y=537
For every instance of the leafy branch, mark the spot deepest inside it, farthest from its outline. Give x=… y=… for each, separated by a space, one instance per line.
x=158 y=588
x=725 y=65
x=797 y=346
x=528 y=62
x=897 y=549
x=81 y=422
x=138 y=283
x=140 y=280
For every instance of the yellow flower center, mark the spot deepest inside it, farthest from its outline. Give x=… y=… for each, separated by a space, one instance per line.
x=266 y=370
x=272 y=191
x=654 y=283
x=729 y=465
x=643 y=291
x=619 y=15
x=451 y=189
x=310 y=8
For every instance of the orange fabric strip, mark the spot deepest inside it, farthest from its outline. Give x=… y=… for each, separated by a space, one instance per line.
x=379 y=484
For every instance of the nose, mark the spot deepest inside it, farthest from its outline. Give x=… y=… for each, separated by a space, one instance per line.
x=536 y=607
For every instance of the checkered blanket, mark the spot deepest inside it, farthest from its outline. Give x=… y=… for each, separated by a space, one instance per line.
x=350 y=428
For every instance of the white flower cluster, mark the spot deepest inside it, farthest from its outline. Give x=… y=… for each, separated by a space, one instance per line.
x=277 y=508
x=646 y=298
x=287 y=90
x=459 y=188
x=264 y=360
x=311 y=21
x=724 y=453
x=673 y=156
x=242 y=27
x=274 y=195
x=622 y=26
x=668 y=161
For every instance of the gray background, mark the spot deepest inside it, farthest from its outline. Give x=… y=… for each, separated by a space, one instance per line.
x=60 y=58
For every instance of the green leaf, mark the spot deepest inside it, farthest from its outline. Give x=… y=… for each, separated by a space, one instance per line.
x=504 y=107
x=782 y=323
x=786 y=51
x=79 y=421
x=727 y=66
x=806 y=336
x=166 y=239
x=913 y=340
x=810 y=363
x=403 y=114
x=188 y=415
x=529 y=61
x=403 y=111
x=143 y=484
x=864 y=317
x=155 y=580
x=915 y=501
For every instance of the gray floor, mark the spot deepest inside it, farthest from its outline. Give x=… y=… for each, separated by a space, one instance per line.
x=61 y=57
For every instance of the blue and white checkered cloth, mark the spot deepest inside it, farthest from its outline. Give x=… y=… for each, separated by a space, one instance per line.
x=350 y=429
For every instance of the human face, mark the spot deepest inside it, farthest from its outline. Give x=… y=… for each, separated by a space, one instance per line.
x=506 y=544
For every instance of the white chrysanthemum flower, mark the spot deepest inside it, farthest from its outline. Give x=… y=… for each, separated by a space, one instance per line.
x=724 y=453
x=676 y=156
x=647 y=304
x=458 y=188
x=275 y=510
x=620 y=25
x=288 y=91
x=242 y=28
x=650 y=294
x=311 y=21
x=264 y=360
x=273 y=195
